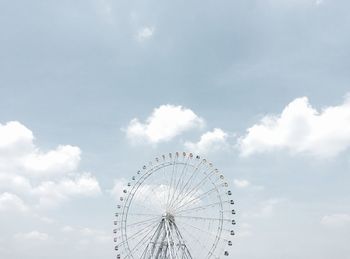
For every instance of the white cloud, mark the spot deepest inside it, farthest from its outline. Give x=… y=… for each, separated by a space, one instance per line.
x=301 y=129
x=336 y=220
x=14 y=135
x=51 y=193
x=45 y=177
x=209 y=142
x=34 y=235
x=11 y=202
x=165 y=123
x=241 y=183
x=19 y=153
x=62 y=159
x=145 y=33
x=14 y=183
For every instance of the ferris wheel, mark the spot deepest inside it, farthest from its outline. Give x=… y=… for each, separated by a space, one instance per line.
x=178 y=206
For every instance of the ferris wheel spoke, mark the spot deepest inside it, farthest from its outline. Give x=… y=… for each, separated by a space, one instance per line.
x=200 y=207
x=172 y=181
x=182 y=189
x=203 y=218
x=166 y=187
x=190 y=246
x=137 y=246
x=134 y=196
x=145 y=192
x=136 y=225
x=198 y=186
x=138 y=233
x=143 y=221
x=135 y=238
x=177 y=182
x=204 y=231
x=181 y=181
x=140 y=245
x=143 y=214
x=182 y=205
x=147 y=208
x=194 y=198
x=204 y=246
x=161 y=202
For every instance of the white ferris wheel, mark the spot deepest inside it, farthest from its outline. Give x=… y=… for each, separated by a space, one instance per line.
x=176 y=207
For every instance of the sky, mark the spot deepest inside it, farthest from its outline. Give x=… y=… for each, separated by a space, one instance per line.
x=91 y=90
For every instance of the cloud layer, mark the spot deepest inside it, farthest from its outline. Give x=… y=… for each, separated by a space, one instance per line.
x=301 y=129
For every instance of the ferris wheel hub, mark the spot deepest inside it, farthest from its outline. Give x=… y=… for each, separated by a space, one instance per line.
x=168 y=217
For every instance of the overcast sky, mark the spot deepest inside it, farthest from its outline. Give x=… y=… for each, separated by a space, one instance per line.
x=91 y=90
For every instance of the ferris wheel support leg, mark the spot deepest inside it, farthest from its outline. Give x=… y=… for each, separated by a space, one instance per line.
x=185 y=252
x=156 y=239
x=168 y=237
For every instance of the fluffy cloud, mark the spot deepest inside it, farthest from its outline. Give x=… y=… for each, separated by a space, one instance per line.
x=11 y=202
x=301 y=129
x=165 y=123
x=14 y=135
x=37 y=176
x=145 y=33
x=18 y=153
x=16 y=183
x=62 y=159
x=336 y=220
x=209 y=142
x=50 y=193
x=33 y=235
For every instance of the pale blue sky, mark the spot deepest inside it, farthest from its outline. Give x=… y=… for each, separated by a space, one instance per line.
x=76 y=73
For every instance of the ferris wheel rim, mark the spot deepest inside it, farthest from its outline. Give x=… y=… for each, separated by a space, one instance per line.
x=148 y=172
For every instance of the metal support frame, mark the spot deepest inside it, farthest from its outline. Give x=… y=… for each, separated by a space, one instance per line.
x=167 y=242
